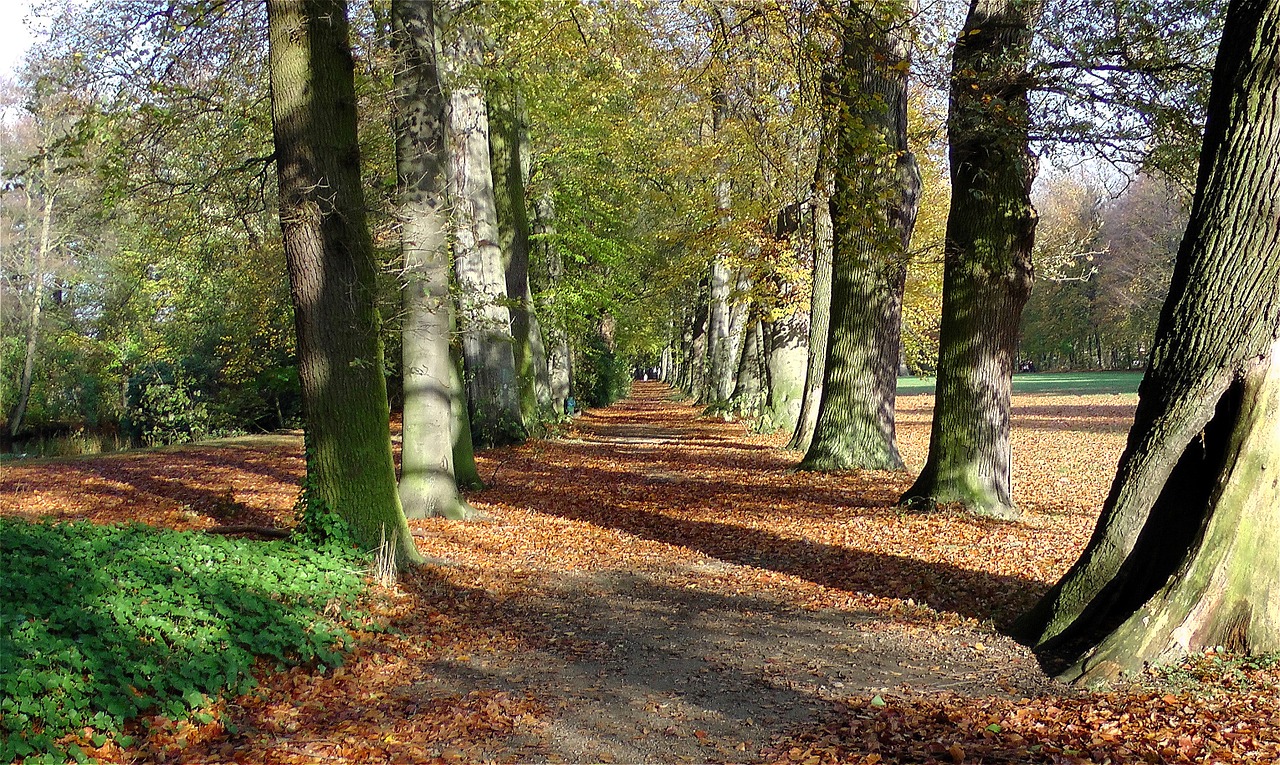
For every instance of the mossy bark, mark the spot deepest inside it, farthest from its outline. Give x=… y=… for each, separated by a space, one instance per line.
x=748 y=388
x=509 y=150
x=559 y=367
x=432 y=388
x=987 y=272
x=1183 y=556
x=855 y=427
x=787 y=356
x=332 y=271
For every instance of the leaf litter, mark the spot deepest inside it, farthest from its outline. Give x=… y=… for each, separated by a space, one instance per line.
x=658 y=586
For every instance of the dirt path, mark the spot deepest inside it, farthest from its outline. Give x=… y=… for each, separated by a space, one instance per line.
x=705 y=633
x=653 y=587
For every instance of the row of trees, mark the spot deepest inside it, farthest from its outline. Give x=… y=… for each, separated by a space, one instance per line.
x=1179 y=560
x=530 y=232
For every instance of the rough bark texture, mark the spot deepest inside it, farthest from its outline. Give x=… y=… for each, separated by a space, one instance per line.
x=855 y=427
x=987 y=272
x=1184 y=554
x=698 y=349
x=432 y=389
x=493 y=394
x=332 y=272
x=508 y=146
x=819 y=303
x=559 y=370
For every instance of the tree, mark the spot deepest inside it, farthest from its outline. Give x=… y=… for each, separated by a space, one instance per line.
x=493 y=393
x=1184 y=554
x=434 y=411
x=855 y=427
x=333 y=274
x=509 y=152
x=987 y=272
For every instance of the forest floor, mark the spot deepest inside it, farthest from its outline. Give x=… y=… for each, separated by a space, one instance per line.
x=656 y=586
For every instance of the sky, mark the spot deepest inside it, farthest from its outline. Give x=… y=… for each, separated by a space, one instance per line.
x=15 y=35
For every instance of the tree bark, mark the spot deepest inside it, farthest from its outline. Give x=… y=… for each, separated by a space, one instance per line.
x=855 y=427
x=819 y=303
x=748 y=389
x=43 y=248
x=432 y=390
x=508 y=146
x=489 y=364
x=1184 y=554
x=987 y=271
x=332 y=272
x=559 y=367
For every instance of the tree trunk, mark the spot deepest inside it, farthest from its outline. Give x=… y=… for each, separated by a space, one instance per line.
x=332 y=272
x=559 y=370
x=19 y=411
x=784 y=371
x=719 y=339
x=1184 y=554
x=698 y=349
x=987 y=272
x=432 y=390
x=489 y=363
x=819 y=303
x=748 y=388
x=508 y=145
x=855 y=427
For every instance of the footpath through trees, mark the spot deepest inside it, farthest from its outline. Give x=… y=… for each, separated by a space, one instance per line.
x=656 y=586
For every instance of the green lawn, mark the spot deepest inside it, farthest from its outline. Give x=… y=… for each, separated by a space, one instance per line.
x=1073 y=383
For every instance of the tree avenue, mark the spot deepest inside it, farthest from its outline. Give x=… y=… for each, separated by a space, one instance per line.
x=1183 y=557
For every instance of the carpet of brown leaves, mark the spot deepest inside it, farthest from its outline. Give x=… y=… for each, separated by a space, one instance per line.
x=649 y=489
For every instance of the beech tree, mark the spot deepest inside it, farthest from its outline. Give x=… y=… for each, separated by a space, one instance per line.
x=1184 y=554
x=493 y=394
x=987 y=273
x=855 y=427
x=435 y=416
x=333 y=273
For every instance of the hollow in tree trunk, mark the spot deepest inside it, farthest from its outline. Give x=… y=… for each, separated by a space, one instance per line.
x=987 y=252
x=1184 y=556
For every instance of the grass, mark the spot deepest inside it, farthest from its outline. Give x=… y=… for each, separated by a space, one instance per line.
x=103 y=624
x=1061 y=383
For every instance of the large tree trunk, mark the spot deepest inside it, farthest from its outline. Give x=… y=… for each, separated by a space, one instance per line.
x=332 y=272
x=855 y=426
x=432 y=390
x=1184 y=554
x=492 y=388
x=819 y=303
x=508 y=145
x=987 y=272
x=719 y=338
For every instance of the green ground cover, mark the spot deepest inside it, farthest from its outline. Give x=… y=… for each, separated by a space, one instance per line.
x=102 y=624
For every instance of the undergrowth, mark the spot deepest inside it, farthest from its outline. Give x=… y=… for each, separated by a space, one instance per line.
x=103 y=624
